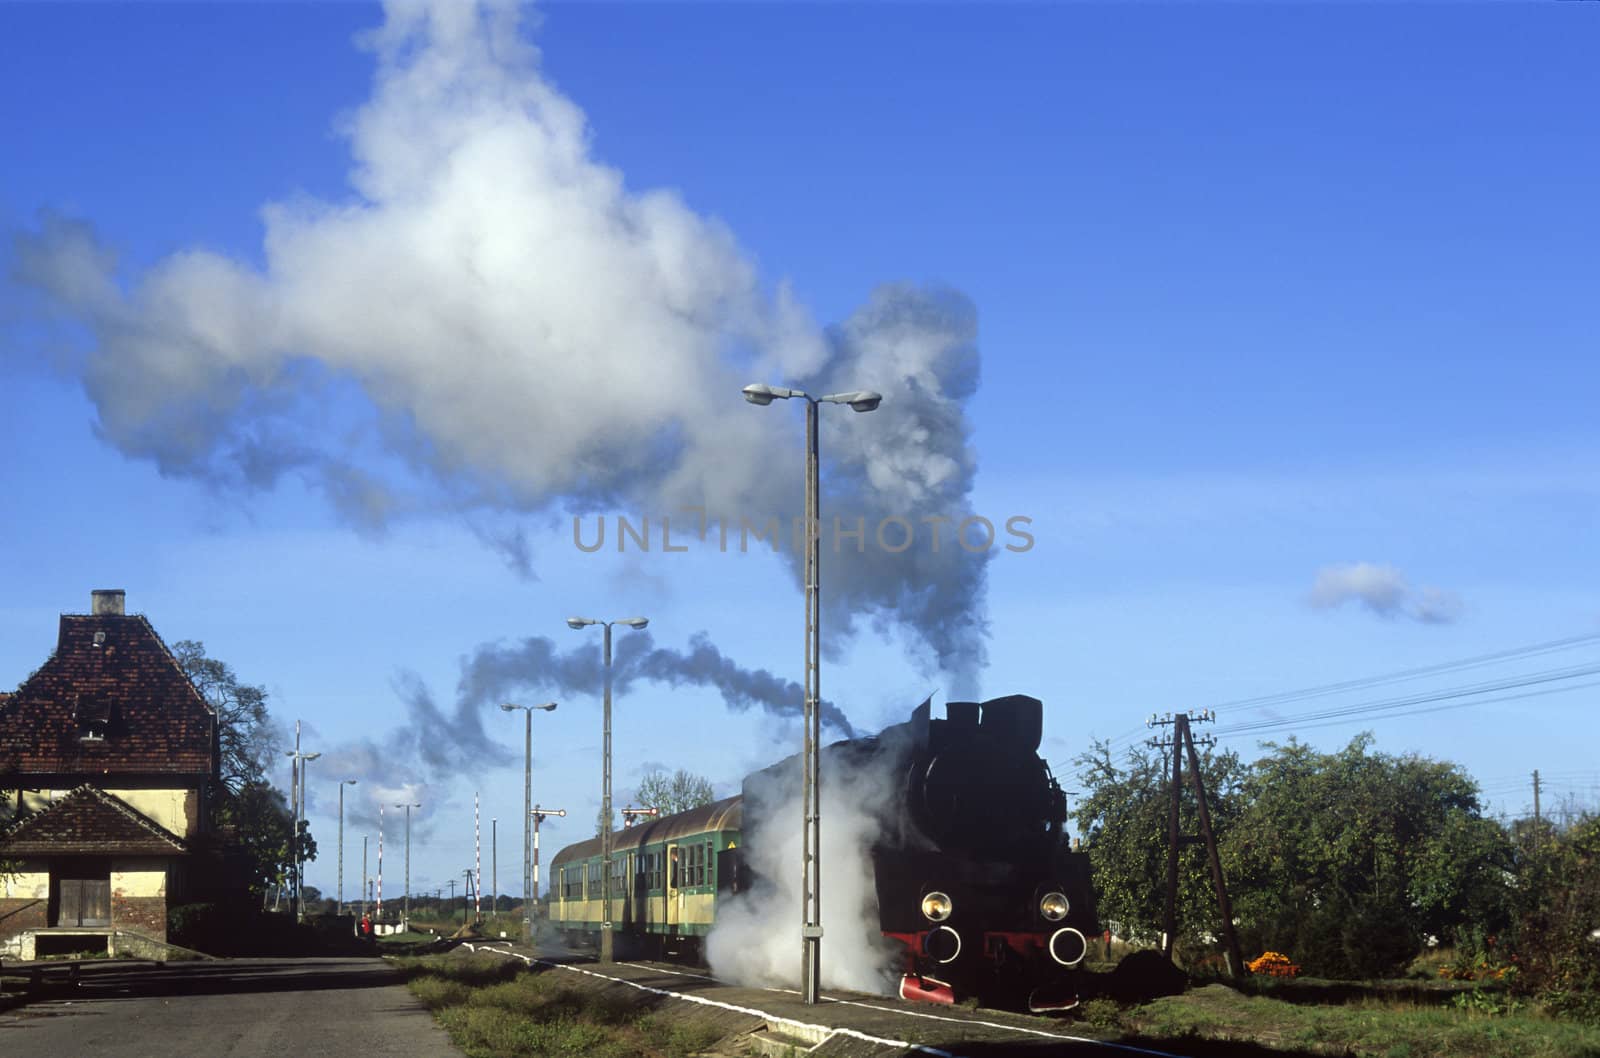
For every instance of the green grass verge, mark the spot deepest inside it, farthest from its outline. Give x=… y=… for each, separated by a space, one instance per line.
x=1379 y=1028
x=496 y=1008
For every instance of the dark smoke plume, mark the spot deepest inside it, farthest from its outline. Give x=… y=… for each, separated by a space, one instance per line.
x=497 y=672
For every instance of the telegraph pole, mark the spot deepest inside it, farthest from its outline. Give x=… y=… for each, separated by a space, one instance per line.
x=1183 y=743
x=1537 y=826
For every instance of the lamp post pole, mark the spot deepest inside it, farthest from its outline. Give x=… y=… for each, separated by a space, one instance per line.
x=342 y=784
x=405 y=919
x=527 y=808
x=811 y=763
x=297 y=786
x=605 y=779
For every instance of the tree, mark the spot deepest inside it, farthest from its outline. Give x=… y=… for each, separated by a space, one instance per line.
x=1557 y=916
x=678 y=792
x=1347 y=861
x=244 y=729
x=1122 y=817
x=262 y=835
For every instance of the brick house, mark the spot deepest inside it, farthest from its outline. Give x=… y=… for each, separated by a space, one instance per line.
x=108 y=760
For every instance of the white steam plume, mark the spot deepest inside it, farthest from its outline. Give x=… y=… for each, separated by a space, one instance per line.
x=493 y=322
x=754 y=941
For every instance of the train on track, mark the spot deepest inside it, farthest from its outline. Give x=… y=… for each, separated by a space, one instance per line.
x=978 y=890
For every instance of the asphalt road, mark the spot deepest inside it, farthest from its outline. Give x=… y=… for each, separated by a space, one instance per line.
x=231 y=1008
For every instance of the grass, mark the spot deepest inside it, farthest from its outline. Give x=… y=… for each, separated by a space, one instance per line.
x=1380 y=1028
x=496 y=1008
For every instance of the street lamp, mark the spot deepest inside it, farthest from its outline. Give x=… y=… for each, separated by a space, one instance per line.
x=297 y=783
x=605 y=779
x=342 y=784
x=405 y=920
x=527 y=807
x=811 y=771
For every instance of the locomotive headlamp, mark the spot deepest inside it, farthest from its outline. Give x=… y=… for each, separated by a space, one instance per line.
x=936 y=907
x=1054 y=906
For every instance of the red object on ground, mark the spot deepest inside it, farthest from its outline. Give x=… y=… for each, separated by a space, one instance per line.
x=926 y=990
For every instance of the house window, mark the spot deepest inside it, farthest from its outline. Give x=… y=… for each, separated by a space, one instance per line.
x=93 y=716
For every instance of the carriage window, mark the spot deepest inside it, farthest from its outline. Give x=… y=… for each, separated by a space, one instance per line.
x=619 y=874
x=697 y=865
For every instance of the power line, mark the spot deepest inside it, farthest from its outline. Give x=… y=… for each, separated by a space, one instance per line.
x=1393 y=705
x=1403 y=675
x=1399 y=706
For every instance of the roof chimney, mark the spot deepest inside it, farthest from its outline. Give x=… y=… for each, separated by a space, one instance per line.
x=107 y=601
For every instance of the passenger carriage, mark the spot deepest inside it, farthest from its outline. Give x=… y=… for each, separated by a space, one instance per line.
x=665 y=878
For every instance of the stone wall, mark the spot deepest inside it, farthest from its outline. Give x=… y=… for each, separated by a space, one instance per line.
x=139 y=896
x=20 y=916
x=24 y=900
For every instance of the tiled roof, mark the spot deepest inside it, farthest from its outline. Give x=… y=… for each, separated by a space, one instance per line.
x=110 y=675
x=89 y=822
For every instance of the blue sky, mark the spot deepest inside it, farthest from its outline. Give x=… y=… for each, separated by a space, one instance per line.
x=1273 y=305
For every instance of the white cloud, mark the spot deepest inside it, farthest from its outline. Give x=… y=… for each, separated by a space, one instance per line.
x=1385 y=591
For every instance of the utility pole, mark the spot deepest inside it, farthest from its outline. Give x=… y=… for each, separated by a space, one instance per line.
x=1183 y=743
x=1537 y=826
x=466 y=891
x=363 y=876
x=494 y=864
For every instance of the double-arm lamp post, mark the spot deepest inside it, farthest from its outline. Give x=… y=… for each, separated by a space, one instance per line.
x=605 y=777
x=405 y=921
x=527 y=810
x=811 y=797
x=297 y=783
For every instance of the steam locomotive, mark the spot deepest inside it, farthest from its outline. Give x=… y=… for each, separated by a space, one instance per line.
x=977 y=889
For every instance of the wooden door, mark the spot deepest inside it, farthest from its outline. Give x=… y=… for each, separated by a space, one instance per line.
x=84 y=897
x=674 y=898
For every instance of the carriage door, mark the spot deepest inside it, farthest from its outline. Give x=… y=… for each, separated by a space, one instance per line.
x=83 y=894
x=674 y=897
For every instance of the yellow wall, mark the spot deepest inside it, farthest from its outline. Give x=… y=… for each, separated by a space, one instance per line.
x=31 y=882
x=173 y=809
x=138 y=878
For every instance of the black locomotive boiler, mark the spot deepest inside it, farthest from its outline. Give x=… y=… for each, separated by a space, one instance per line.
x=976 y=882
x=978 y=893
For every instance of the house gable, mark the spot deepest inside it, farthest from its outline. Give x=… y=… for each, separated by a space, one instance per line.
x=111 y=701
x=89 y=822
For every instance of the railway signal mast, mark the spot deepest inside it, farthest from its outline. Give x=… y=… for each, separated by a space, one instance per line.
x=539 y=815
x=1183 y=743
x=631 y=813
